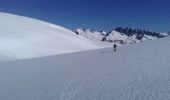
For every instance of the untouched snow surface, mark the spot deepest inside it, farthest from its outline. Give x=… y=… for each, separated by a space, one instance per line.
x=134 y=72
x=23 y=37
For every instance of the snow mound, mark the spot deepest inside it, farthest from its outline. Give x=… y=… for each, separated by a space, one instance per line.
x=23 y=37
x=135 y=72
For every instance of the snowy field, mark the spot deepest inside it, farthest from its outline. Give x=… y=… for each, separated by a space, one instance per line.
x=134 y=72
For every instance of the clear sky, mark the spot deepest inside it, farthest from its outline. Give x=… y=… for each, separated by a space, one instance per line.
x=152 y=15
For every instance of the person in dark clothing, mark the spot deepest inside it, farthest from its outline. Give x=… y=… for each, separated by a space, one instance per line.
x=115 y=47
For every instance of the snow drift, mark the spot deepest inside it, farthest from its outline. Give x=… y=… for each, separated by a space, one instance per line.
x=134 y=72
x=23 y=37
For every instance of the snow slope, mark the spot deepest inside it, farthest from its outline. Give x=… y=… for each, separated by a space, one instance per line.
x=23 y=37
x=135 y=72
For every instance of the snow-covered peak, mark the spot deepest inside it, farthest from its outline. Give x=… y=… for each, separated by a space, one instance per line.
x=104 y=33
x=120 y=35
x=164 y=33
x=90 y=34
x=114 y=35
x=23 y=37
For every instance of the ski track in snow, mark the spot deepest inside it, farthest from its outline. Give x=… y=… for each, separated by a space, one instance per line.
x=134 y=72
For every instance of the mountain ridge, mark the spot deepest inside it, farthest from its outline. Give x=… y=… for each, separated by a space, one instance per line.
x=120 y=35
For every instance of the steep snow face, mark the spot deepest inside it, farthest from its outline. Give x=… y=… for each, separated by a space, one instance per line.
x=23 y=37
x=135 y=72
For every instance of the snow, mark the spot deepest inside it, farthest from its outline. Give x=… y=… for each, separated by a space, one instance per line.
x=134 y=72
x=23 y=37
x=91 y=35
x=164 y=34
x=113 y=37
x=94 y=36
x=149 y=37
x=107 y=39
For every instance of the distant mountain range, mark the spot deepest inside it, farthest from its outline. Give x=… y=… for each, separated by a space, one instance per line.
x=120 y=35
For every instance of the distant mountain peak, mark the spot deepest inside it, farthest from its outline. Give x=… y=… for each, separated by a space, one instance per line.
x=120 y=35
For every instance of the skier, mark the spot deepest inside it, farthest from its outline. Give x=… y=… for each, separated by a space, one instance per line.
x=115 y=46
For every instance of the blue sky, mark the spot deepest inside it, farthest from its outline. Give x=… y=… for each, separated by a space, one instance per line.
x=152 y=15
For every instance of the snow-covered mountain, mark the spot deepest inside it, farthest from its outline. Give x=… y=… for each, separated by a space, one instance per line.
x=23 y=37
x=91 y=34
x=134 y=72
x=120 y=35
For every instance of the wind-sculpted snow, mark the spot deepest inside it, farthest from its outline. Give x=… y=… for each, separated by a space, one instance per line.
x=22 y=37
x=134 y=72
